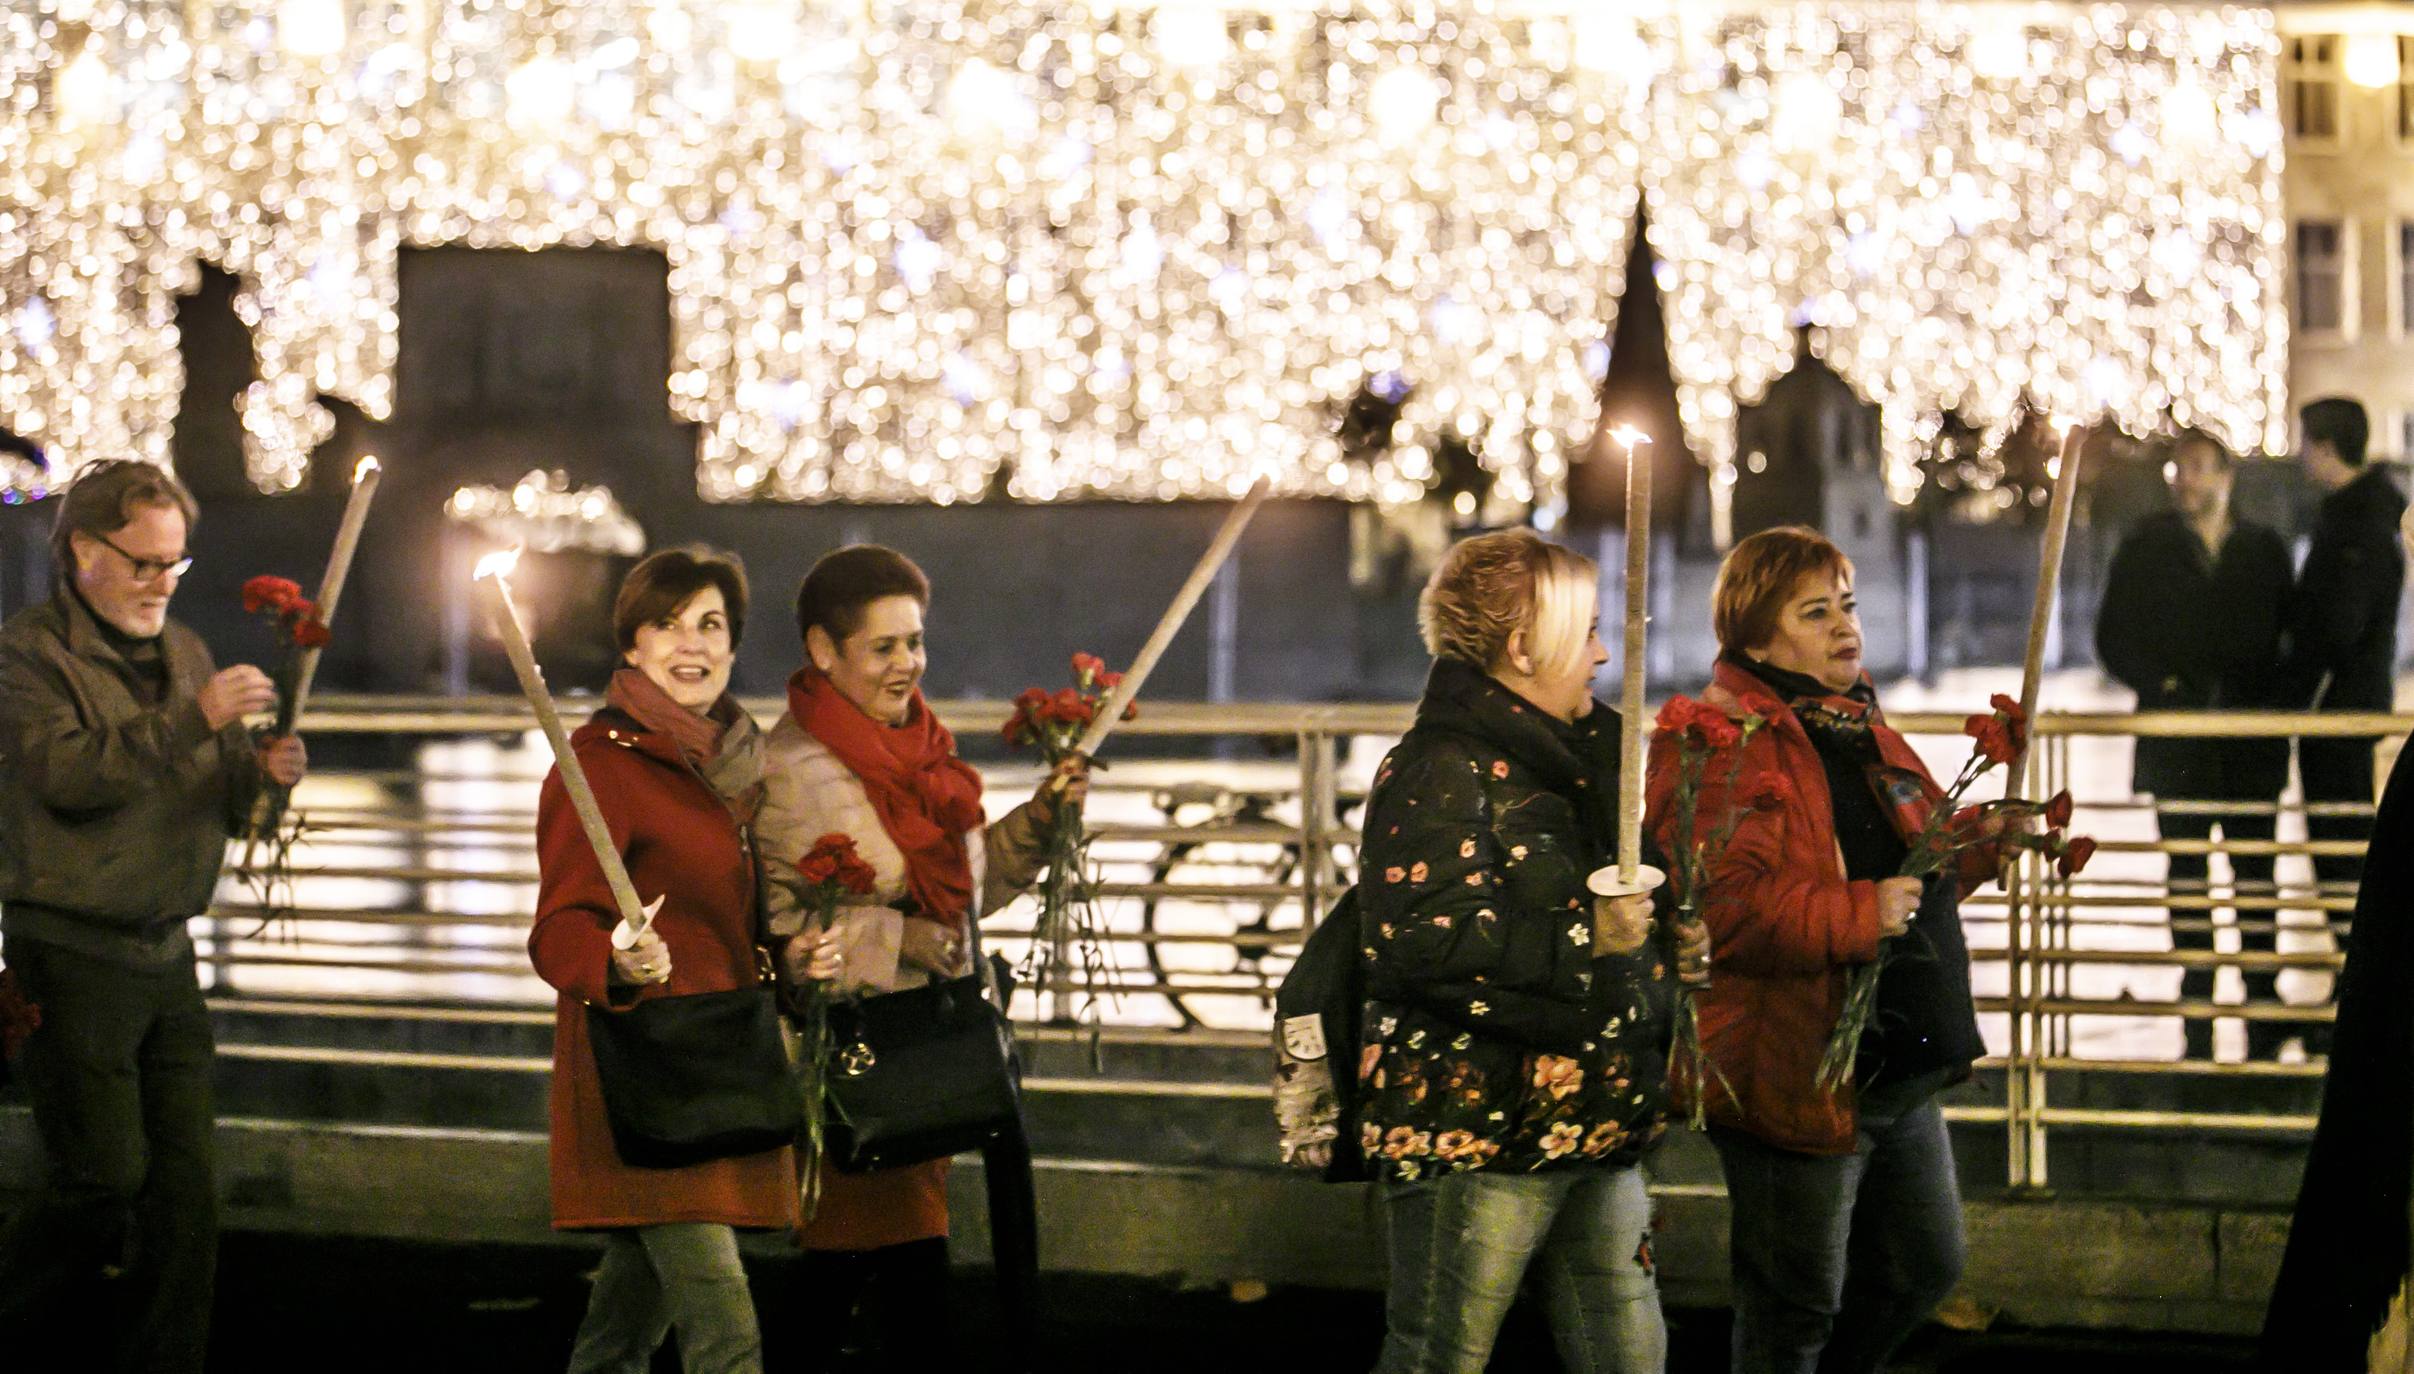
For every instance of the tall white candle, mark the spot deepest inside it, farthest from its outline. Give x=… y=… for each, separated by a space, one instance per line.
x=495 y=591
x=339 y=566
x=1110 y=711
x=1635 y=734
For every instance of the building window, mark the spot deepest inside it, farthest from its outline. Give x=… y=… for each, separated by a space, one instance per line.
x=2310 y=87
x=2405 y=91
x=2405 y=278
x=2321 y=277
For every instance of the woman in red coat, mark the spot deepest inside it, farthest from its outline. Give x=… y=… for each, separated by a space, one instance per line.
x=677 y=767
x=1846 y=1218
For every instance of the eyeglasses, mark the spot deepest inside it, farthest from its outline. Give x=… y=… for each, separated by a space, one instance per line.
x=148 y=569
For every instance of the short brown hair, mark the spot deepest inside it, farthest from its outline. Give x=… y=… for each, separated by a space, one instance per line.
x=836 y=592
x=1493 y=585
x=1759 y=574
x=670 y=578
x=103 y=499
x=2193 y=437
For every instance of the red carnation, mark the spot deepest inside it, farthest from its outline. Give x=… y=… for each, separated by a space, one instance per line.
x=1994 y=737
x=311 y=633
x=2074 y=856
x=832 y=861
x=1676 y=713
x=1070 y=707
x=1767 y=790
x=2015 y=720
x=2057 y=811
x=1087 y=667
x=270 y=594
x=1700 y=723
x=1109 y=680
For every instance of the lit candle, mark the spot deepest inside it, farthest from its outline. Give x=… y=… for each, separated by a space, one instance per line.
x=1632 y=740
x=495 y=590
x=331 y=587
x=1110 y=711
x=2049 y=579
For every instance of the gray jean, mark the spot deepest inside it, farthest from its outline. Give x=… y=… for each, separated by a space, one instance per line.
x=684 y=1276
x=1461 y=1244
x=1836 y=1259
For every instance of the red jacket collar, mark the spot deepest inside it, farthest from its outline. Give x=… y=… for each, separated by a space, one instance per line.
x=610 y=725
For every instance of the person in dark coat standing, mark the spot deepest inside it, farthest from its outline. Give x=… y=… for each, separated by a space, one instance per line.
x=2194 y=609
x=2344 y=1274
x=2343 y=636
x=124 y=767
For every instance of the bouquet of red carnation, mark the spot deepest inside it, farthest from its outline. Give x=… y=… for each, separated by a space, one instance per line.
x=1068 y=940
x=832 y=871
x=299 y=630
x=1705 y=739
x=1998 y=737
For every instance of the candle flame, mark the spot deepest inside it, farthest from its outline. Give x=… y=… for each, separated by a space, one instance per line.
x=498 y=565
x=1629 y=436
x=368 y=464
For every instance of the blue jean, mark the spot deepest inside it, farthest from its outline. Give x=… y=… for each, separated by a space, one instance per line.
x=1461 y=1244
x=1836 y=1259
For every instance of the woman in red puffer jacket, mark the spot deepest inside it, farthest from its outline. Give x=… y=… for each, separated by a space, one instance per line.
x=1862 y=1177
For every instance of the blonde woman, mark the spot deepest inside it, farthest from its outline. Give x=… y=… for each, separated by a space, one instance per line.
x=1516 y=1027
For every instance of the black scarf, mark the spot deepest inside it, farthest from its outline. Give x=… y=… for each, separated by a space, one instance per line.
x=1842 y=727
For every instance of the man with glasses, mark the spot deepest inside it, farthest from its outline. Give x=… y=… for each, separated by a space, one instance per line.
x=124 y=767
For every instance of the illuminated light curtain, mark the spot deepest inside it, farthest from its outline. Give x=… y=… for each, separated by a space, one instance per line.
x=1975 y=206
x=932 y=249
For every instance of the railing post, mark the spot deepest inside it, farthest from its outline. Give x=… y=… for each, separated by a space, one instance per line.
x=1318 y=798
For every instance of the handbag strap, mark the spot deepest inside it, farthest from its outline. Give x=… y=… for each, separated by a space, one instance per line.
x=981 y=964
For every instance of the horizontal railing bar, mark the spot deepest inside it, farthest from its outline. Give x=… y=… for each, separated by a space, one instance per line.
x=383 y=1059
x=381 y=1011
x=373 y=713
x=2198 y=1068
x=2147 y=1119
x=2088 y=1006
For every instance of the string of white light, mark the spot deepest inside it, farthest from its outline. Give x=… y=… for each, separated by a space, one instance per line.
x=931 y=249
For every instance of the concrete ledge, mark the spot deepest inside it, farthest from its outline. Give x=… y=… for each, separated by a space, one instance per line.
x=2172 y=1267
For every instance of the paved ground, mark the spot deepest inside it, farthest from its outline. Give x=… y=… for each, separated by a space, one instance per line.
x=289 y=1303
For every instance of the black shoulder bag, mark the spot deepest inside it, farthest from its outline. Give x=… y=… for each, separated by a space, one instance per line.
x=925 y=1073
x=699 y=1077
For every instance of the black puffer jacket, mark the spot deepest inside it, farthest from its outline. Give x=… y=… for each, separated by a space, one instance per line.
x=1494 y=1039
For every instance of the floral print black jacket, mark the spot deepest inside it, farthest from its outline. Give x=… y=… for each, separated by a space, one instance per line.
x=1494 y=1039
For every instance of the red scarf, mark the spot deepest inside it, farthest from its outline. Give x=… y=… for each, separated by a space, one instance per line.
x=925 y=796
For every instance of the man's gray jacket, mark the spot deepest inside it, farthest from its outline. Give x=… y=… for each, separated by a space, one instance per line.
x=114 y=814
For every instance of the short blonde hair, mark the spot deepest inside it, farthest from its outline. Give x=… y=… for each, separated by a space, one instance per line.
x=1759 y=574
x=1493 y=585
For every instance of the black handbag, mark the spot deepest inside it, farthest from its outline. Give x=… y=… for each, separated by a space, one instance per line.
x=922 y=1074
x=694 y=1078
x=702 y=1076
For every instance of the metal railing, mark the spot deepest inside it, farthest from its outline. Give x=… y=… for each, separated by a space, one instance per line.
x=1287 y=846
